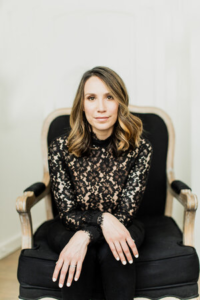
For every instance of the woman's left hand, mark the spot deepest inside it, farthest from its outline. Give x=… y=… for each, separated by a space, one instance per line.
x=118 y=238
x=72 y=254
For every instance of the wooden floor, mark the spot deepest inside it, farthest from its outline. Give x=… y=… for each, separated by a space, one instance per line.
x=9 y=286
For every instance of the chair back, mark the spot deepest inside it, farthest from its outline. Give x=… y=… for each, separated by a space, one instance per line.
x=158 y=129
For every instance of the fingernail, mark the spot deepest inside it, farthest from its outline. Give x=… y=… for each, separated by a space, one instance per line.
x=117 y=258
x=124 y=262
x=60 y=285
x=136 y=255
x=76 y=279
x=68 y=284
x=54 y=279
x=130 y=261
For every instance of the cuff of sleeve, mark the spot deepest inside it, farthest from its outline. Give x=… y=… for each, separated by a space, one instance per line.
x=94 y=233
x=97 y=218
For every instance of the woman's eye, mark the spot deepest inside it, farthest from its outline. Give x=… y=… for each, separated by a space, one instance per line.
x=92 y=98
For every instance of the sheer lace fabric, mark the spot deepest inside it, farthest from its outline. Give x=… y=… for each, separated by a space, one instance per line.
x=85 y=187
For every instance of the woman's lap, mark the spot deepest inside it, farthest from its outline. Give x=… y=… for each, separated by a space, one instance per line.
x=116 y=277
x=137 y=231
x=58 y=236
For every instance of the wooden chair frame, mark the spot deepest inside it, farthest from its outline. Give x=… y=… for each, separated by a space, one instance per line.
x=186 y=197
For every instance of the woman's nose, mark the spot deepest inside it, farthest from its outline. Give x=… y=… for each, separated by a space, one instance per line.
x=101 y=105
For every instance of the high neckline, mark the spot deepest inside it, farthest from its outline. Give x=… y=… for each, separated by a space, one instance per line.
x=101 y=143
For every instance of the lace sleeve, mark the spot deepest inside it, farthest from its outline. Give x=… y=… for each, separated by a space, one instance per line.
x=132 y=193
x=65 y=197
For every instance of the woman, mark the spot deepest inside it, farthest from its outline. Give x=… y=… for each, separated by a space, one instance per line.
x=99 y=172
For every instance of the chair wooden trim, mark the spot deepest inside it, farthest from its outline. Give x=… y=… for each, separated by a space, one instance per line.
x=166 y=298
x=186 y=197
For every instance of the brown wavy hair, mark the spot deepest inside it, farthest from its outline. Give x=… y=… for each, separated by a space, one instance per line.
x=127 y=129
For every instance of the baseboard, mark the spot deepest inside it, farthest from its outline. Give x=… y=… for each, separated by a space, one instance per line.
x=14 y=243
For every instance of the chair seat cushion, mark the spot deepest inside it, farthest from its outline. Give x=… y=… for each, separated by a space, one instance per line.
x=165 y=266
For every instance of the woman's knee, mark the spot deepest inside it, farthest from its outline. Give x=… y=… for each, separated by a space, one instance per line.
x=137 y=232
x=58 y=236
x=91 y=255
x=104 y=252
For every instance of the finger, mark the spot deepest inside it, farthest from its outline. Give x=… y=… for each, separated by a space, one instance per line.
x=126 y=251
x=78 y=270
x=133 y=247
x=63 y=273
x=120 y=252
x=114 y=251
x=57 y=269
x=71 y=273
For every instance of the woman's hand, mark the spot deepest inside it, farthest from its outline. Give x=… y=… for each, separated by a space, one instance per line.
x=72 y=254
x=117 y=237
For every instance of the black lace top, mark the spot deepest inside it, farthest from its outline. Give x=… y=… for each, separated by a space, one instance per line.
x=85 y=187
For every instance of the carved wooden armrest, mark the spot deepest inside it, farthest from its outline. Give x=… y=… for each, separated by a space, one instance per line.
x=24 y=203
x=189 y=200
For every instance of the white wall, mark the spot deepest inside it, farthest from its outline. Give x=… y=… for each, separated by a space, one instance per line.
x=46 y=46
x=195 y=110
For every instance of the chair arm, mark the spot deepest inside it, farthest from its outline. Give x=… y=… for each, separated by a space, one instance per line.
x=33 y=194
x=24 y=203
x=183 y=193
x=37 y=188
x=178 y=185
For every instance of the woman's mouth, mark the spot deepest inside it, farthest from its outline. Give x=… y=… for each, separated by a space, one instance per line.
x=102 y=118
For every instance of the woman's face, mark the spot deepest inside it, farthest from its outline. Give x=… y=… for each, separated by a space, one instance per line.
x=99 y=103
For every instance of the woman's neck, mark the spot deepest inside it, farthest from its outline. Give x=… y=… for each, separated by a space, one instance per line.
x=100 y=142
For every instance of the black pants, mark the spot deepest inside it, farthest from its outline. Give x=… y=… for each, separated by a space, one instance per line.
x=118 y=280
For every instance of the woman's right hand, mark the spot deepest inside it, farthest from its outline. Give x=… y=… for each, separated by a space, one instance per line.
x=72 y=254
x=117 y=237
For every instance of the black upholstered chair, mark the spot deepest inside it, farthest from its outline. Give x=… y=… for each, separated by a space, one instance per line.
x=168 y=265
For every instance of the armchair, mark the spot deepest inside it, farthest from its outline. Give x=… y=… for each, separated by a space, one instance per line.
x=168 y=265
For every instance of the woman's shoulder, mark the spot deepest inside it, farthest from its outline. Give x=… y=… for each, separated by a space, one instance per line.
x=144 y=147
x=144 y=142
x=60 y=141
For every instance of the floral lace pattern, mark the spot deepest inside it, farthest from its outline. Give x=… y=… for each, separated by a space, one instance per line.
x=85 y=187
x=100 y=219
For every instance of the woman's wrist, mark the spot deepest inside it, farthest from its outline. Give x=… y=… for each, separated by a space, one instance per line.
x=87 y=236
x=103 y=217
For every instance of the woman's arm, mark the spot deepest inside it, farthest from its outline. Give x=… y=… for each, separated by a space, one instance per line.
x=65 y=197
x=114 y=226
x=132 y=193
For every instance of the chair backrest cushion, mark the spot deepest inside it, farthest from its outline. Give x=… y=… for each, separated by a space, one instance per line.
x=155 y=130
